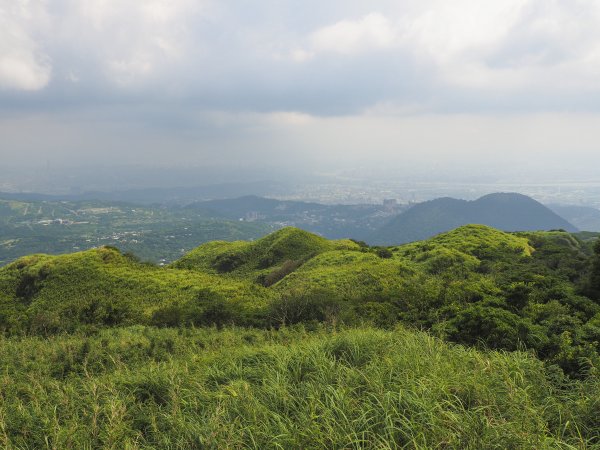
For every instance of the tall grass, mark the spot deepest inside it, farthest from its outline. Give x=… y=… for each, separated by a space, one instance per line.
x=143 y=387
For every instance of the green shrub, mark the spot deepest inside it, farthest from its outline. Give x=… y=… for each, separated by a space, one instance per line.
x=303 y=305
x=229 y=262
x=495 y=328
x=594 y=283
x=384 y=253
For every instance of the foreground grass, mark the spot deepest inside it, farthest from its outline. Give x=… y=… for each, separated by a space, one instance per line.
x=144 y=387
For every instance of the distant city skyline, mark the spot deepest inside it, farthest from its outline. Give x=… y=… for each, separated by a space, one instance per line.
x=162 y=184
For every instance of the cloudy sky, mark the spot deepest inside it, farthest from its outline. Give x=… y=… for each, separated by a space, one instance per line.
x=285 y=82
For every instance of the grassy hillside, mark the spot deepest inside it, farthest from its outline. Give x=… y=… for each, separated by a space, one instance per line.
x=364 y=388
x=347 y=274
x=474 y=285
x=99 y=350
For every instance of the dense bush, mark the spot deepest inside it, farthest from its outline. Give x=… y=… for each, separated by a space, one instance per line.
x=495 y=328
x=384 y=252
x=594 y=284
x=207 y=309
x=229 y=262
x=300 y=305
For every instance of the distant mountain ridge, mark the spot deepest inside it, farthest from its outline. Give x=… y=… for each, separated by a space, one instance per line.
x=504 y=211
x=158 y=195
x=332 y=221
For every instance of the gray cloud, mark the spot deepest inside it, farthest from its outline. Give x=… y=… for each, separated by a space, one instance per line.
x=318 y=81
x=339 y=58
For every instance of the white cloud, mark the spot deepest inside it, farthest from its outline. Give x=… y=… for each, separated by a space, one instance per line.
x=23 y=64
x=509 y=44
x=134 y=40
x=446 y=30
x=352 y=36
x=290 y=118
x=277 y=81
x=301 y=55
x=470 y=44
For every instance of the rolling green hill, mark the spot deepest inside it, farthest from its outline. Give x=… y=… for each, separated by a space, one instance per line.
x=250 y=259
x=47 y=294
x=473 y=285
x=297 y=341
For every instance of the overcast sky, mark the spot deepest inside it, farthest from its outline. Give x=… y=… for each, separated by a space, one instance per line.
x=287 y=82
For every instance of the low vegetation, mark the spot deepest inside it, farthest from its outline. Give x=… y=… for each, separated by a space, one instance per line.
x=191 y=388
x=294 y=341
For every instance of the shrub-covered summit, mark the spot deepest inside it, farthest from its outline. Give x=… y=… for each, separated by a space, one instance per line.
x=244 y=258
x=47 y=294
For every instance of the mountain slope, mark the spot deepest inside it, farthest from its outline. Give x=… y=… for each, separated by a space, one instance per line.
x=505 y=211
x=583 y=217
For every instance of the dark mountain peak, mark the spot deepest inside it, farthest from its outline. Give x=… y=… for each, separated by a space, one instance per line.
x=505 y=211
x=504 y=197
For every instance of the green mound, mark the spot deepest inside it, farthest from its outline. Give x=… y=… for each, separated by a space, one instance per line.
x=350 y=274
x=480 y=241
x=47 y=294
x=250 y=259
x=363 y=388
x=458 y=253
